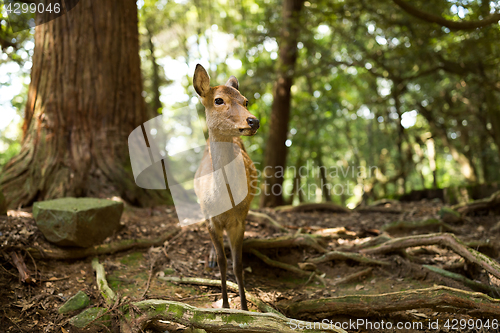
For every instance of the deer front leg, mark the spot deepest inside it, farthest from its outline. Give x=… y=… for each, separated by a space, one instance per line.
x=235 y=235
x=217 y=240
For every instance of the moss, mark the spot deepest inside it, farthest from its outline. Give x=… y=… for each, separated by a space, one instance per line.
x=239 y=318
x=132 y=259
x=74 y=204
x=115 y=283
x=79 y=301
x=169 y=271
x=295 y=280
x=177 y=310
x=200 y=317
x=84 y=318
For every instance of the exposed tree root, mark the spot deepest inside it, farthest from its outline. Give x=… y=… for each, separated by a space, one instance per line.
x=337 y=255
x=333 y=233
x=314 y=241
x=223 y=320
x=230 y=285
x=288 y=267
x=307 y=207
x=102 y=284
x=124 y=245
x=353 y=277
x=24 y=273
x=439 y=298
x=272 y=221
x=135 y=316
x=430 y=223
x=370 y=242
x=493 y=202
x=374 y=209
x=448 y=240
x=467 y=282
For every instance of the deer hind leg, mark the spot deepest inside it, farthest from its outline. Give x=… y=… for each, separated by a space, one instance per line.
x=216 y=235
x=235 y=234
x=212 y=257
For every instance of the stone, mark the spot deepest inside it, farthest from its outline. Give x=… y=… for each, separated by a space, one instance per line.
x=81 y=222
x=3 y=204
x=79 y=301
x=90 y=315
x=450 y=216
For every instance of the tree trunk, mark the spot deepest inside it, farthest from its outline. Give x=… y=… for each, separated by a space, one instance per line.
x=84 y=100
x=275 y=159
x=438 y=130
x=156 y=106
x=325 y=186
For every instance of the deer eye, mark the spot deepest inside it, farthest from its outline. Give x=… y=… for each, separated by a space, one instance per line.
x=219 y=101
x=246 y=104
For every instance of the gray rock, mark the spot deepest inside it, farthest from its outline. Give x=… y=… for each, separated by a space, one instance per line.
x=82 y=222
x=450 y=216
x=3 y=204
x=79 y=301
x=86 y=317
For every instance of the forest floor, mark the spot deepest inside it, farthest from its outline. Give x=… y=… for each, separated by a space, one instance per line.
x=33 y=307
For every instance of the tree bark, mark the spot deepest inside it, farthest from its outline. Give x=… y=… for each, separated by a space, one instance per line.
x=155 y=106
x=276 y=151
x=84 y=99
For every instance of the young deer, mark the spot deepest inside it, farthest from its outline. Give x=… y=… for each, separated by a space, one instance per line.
x=227 y=119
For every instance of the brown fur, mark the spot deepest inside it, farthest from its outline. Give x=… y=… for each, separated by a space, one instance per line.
x=225 y=124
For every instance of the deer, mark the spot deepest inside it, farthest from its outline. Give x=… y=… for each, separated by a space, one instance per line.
x=227 y=119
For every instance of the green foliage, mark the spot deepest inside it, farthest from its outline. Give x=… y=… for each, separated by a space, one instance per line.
x=385 y=101
x=375 y=88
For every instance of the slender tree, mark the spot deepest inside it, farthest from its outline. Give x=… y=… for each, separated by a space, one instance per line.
x=276 y=151
x=85 y=97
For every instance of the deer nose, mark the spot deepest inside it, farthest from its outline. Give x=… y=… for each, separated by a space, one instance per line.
x=253 y=122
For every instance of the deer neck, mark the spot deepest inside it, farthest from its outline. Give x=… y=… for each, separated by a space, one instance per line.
x=221 y=150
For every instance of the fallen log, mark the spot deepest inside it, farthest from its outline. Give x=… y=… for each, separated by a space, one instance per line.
x=439 y=298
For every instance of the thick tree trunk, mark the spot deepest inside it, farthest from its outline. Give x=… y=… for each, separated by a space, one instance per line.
x=275 y=159
x=83 y=101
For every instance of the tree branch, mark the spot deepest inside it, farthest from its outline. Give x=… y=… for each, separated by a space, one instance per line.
x=452 y=25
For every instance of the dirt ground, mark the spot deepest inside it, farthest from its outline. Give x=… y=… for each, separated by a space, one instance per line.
x=32 y=307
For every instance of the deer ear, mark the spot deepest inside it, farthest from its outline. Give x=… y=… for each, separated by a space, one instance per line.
x=201 y=81
x=232 y=82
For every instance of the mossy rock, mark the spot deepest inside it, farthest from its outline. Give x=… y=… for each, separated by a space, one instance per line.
x=79 y=301
x=81 y=222
x=450 y=216
x=86 y=317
